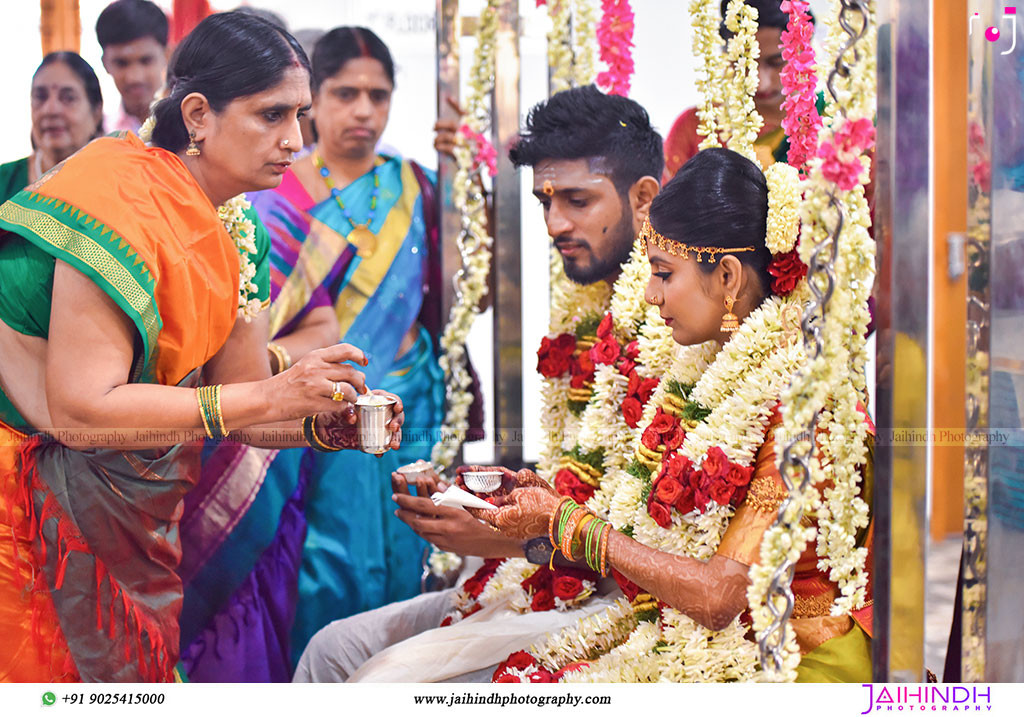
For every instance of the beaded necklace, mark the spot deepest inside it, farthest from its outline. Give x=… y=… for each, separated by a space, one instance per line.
x=364 y=240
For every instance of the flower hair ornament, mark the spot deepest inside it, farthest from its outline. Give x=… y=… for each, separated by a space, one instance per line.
x=786 y=268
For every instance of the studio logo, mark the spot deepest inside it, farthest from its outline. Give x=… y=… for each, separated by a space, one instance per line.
x=993 y=34
x=928 y=698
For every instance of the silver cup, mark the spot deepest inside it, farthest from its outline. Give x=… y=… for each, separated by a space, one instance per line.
x=375 y=412
x=419 y=469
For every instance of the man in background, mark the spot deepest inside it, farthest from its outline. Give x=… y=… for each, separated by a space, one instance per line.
x=133 y=35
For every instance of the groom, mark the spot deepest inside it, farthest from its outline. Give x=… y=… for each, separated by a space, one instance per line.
x=595 y=160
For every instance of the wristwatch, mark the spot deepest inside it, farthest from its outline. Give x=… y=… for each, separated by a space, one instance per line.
x=538 y=550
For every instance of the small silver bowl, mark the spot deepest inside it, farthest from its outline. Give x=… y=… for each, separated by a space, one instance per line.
x=419 y=469
x=482 y=481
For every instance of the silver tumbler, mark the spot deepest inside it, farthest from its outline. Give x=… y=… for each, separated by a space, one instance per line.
x=375 y=412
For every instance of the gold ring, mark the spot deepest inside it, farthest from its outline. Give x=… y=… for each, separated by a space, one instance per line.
x=336 y=394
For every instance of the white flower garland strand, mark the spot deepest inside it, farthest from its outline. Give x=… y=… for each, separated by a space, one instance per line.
x=570 y=304
x=783 y=207
x=741 y=387
x=834 y=382
x=705 y=17
x=243 y=232
x=571 y=43
x=739 y=118
x=474 y=247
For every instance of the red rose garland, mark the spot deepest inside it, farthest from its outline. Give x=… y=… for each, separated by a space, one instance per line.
x=678 y=484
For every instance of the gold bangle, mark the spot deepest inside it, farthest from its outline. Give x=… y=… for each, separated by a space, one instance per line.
x=202 y=411
x=320 y=445
x=604 y=549
x=217 y=412
x=284 y=359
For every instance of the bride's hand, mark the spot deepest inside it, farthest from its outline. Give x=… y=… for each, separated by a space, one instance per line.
x=525 y=513
x=510 y=480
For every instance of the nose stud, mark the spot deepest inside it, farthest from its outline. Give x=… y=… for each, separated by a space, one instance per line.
x=285 y=143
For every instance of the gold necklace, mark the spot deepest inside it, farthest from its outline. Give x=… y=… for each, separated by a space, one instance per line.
x=360 y=235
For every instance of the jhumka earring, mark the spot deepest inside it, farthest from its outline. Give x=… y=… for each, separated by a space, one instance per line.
x=730 y=322
x=193 y=148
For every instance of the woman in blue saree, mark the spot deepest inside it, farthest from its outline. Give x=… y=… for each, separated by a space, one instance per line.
x=353 y=233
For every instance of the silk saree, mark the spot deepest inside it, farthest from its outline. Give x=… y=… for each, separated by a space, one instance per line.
x=89 y=545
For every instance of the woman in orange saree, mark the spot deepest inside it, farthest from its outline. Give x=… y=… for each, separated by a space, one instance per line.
x=122 y=286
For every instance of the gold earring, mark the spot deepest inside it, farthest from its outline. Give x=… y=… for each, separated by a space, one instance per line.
x=193 y=148
x=730 y=322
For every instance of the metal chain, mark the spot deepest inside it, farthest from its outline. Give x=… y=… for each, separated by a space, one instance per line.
x=821 y=279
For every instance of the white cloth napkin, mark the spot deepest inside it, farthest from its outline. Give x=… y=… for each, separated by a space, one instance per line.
x=455 y=497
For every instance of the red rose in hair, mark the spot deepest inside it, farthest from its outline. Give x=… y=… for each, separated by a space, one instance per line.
x=604 y=329
x=669 y=490
x=541 y=675
x=685 y=504
x=674 y=438
x=566 y=587
x=605 y=351
x=518 y=661
x=475 y=609
x=647 y=387
x=506 y=678
x=661 y=514
x=738 y=475
x=633 y=350
x=568 y=483
x=650 y=439
x=786 y=270
x=543 y=600
x=721 y=491
x=632 y=411
x=663 y=423
x=715 y=463
x=446 y=622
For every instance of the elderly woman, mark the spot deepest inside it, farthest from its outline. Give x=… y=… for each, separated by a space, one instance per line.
x=67 y=112
x=122 y=285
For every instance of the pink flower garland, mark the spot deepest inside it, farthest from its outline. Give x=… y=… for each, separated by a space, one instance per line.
x=615 y=37
x=799 y=85
x=484 y=152
x=842 y=154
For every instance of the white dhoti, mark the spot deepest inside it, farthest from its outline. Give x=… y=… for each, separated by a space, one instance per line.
x=402 y=643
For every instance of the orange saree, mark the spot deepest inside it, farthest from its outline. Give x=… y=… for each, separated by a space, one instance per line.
x=89 y=544
x=814 y=593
